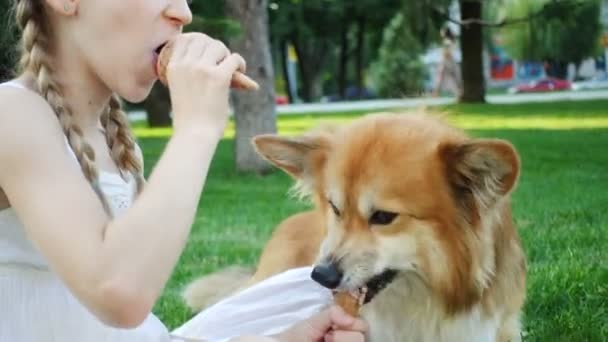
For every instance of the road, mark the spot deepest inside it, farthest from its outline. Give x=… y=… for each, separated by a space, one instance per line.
x=371 y=105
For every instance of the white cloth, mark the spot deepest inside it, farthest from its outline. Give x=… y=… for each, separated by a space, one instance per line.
x=36 y=306
x=264 y=309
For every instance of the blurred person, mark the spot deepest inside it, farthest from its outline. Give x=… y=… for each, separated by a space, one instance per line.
x=448 y=73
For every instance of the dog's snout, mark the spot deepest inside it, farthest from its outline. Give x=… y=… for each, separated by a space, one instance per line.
x=328 y=275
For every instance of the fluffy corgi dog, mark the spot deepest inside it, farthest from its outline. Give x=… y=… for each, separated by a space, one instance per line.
x=414 y=211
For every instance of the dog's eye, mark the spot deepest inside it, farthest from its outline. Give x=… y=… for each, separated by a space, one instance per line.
x=333 y=207
x=382 y=217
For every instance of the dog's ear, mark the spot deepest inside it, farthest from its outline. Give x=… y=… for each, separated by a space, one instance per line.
x=481 y=171
x=297 y=156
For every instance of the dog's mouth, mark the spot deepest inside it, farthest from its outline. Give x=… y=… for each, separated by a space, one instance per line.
x=377 y=283
x=374 y=286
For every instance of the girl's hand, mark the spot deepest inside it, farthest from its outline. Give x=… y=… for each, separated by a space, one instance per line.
x=199 y=74
x=332 y=325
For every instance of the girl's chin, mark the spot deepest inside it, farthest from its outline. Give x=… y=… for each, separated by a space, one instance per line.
x=138 y=93
x=138 y=87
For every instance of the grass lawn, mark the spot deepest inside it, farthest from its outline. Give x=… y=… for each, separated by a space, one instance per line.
x=560 y=207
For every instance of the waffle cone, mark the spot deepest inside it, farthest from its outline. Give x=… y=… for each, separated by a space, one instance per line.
x=348 y=302
x=239 y=80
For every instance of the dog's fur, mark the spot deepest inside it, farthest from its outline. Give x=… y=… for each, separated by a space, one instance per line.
x=461 y=267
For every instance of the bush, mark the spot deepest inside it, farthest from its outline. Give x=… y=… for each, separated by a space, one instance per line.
x=398 y=71
x=8 y=42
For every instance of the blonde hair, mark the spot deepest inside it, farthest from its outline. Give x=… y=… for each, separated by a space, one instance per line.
x=35 y=43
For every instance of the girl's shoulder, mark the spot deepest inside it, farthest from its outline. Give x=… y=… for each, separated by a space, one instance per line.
x=27 y=122
x=16 y=96
x=15 y=87
x=20 y=105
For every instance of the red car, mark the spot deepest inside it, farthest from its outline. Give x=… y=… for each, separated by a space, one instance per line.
x=281 y=100
x=541 y=85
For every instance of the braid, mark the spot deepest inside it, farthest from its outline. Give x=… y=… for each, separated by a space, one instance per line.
x=35 y=59
x=29 y=22
x=121 y=141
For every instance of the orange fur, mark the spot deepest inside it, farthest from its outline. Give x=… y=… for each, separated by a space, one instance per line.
x=287 y=248
x=462 y=267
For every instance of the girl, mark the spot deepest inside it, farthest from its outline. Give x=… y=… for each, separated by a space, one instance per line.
x=85 y=247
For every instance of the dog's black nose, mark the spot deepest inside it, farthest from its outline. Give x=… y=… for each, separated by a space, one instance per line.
x=327 y=275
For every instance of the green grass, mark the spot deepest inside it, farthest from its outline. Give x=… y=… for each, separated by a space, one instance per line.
x=560 y=207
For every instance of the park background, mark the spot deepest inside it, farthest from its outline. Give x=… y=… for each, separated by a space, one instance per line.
x=533 y=72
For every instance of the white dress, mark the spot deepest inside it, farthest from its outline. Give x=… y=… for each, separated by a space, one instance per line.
x=36 y=306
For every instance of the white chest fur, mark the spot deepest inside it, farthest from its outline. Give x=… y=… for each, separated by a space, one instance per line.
x=406 y=312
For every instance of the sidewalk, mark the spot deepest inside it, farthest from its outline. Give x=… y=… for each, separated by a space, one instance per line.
x=372 y=105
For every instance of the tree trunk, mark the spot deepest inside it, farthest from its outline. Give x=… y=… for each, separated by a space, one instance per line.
x=562 y=69
x=471 y=43
x=283 y=44
x=303 y=64
x=342 y=77
x=360 y=55
x=254 y=112
x=311 y=58
x=158 y=106
x=556 y=68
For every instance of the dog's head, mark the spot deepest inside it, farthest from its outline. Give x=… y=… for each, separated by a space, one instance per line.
x=403 y=195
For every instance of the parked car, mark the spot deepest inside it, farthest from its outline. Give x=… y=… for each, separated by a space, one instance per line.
x=541 y=85
x=281 y=100
x=596 y=82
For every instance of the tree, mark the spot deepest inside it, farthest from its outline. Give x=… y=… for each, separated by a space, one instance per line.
x=425 y=19
x=254 y=111
x=398 y=71
x=335 y=40
x=471 y=44
x=8 y=42
x=369 y=14
x=310 y=26
x=555 y=35
x=472 y=25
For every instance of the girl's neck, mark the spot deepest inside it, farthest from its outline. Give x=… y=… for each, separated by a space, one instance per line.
x=86 y=98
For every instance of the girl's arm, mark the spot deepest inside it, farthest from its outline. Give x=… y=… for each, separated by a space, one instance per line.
x=116 y=267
